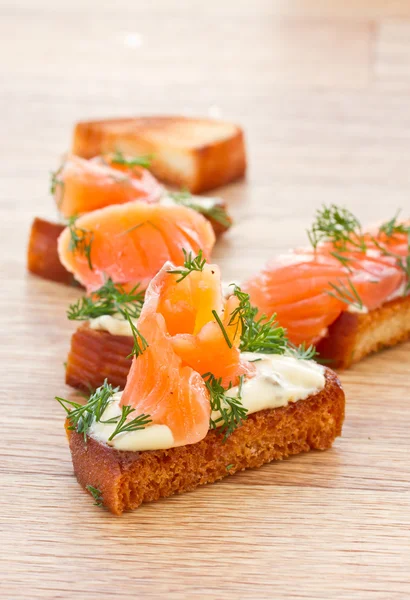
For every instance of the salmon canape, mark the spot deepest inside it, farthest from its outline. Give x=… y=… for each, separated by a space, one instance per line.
x=212 y=390
x=350 y=281
x=81 y=186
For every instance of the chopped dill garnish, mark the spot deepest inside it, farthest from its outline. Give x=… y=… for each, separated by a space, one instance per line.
x=140 y=343
x=118 y=158
x=96 y=494
x=110 y=299
x=191 y=263
x=81 y=240
x=337 y=225
x=346 y=293
x=124 y=426
x=258 y=334
x=82 y=416
x=229 y=467
x=394 y=227
x=232 y=412
x=209 y=207
x=341 y=228
x=55 y=180
x=301 y=352
x=390 y=229
x=221 y=325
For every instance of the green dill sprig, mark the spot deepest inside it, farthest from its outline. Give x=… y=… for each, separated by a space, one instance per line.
x=210 y=208
x=191 y=263
x=258 y=334
x=118 y=158
x=82 y=416
x=57 y=185
x=394 y=227
x=124 y=426
x=110 y=299
x=140 y=343
x=232 y=412
x=390 y=229
x=347 y=293
x=80 y=240
x=221 y=325
x=302 y=352
x=55 y=180
x=96 y=494
x=336 y=225
x=341 y=228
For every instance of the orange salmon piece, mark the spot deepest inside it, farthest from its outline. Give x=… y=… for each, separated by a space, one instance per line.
x=130 y=242
x=184 y=343
x=298 y=286
x=81 y=186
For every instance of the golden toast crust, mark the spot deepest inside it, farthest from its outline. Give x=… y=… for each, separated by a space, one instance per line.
x=127 y=479
x=198 y=154
x=353 y=335
x=42 y=255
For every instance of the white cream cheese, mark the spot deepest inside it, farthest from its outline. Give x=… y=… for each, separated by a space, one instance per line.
x=114 y=324
x=153 y=437
x=279 y=380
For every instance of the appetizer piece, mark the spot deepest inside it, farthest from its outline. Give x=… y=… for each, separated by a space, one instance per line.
x=198 y=154
x=80 y=186
x=211 y=391
x=348 y=294
x=130 y=242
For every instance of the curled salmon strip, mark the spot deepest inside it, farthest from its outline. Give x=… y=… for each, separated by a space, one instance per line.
x=185 y=342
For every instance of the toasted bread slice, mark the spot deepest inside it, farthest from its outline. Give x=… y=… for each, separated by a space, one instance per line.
x=353 y=335
x=198 y=154
x=127 y=479
x=97 y=355
x=42 y=255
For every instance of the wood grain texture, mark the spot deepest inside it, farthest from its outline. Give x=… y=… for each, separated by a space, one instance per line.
x=322 y=90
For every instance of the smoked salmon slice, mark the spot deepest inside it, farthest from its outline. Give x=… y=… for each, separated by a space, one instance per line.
x=182 y=342
x=309 y=288
x=130 y=242
x=80 y=186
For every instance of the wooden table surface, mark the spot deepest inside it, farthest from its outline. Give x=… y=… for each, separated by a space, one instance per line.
x=323 y=91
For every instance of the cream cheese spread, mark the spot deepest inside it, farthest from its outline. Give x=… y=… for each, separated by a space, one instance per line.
x=114 y=324
x=279 y=381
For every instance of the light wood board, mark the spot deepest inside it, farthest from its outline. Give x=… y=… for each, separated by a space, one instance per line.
x=323 y=92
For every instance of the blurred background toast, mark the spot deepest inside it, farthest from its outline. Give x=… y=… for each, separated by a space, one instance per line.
x=196 y=154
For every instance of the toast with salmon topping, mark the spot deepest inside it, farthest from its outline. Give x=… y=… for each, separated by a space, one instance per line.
x=348 y=294
x=211 y=390
x=192 y=153
x=123 y=480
